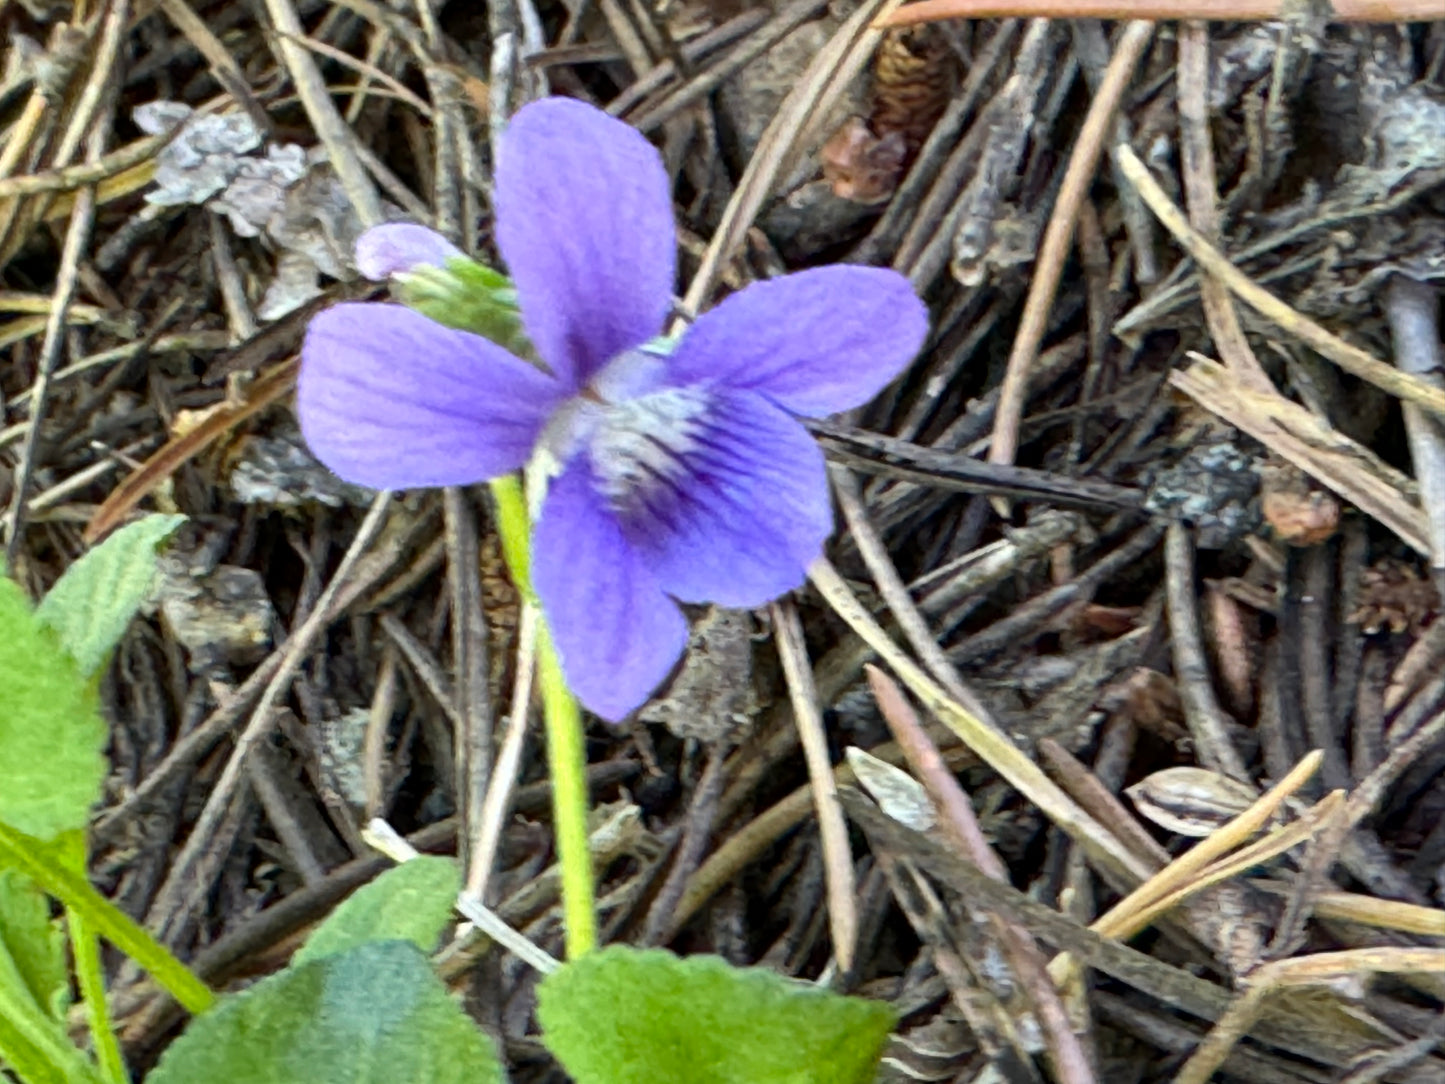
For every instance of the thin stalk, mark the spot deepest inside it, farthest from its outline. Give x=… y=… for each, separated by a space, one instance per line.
x=21 y=852
x=91 y=978
x=567 y=764
x=566 y=753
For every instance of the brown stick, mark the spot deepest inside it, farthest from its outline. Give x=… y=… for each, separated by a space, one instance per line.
x=1345 y=11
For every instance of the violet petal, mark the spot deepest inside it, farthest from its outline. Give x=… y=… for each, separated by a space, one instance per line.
x=396 y=247
x=392 y=400
x=815 y=342
x=749 y=513
x=616 y=632
x=584 y=223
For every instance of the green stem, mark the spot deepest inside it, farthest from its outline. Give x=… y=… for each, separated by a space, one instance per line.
x=91 y=978
x=566 y=753
x=515 y=528
x=21 y=852
x=567 y=764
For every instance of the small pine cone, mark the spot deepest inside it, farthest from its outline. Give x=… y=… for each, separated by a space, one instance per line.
x=914 y=75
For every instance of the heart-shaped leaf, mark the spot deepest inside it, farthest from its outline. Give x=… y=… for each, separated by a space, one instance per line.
x=33 y=943
x=51 y=732
x=624 y=1016
x=92 y=603
x=376 y=1012
x=410 y=902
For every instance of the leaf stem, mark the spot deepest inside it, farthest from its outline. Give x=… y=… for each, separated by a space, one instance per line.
x=91 y=979
x=26 y=854
x=566 y=753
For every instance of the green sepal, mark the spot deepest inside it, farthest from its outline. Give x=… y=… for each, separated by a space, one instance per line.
x=468 y=296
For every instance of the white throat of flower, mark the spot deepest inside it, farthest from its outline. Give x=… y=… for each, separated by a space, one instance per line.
x=641 y=445
x=637 y=433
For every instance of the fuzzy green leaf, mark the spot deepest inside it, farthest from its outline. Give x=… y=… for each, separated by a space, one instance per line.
x=624 y=1016
x=374 y=1013
x=92 y=603
x=410 y=902
x=51 y=732
x=33 y=944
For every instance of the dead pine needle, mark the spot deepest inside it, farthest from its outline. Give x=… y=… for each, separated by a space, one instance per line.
x=1058 y=237
x=1071 y=1062
x=1345 y=11
x=837 y=855
x=1350 y=358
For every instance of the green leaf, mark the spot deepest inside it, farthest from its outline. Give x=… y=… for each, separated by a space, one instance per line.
x=27 y=1059
x=624 y=1016
x=33 y=944
x=374 y=1013
x=52 y=867
x=90 y=606
x=410 y=902
x=34 y=988
x=51 y=733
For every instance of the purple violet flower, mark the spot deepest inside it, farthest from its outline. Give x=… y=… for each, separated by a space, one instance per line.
x=684 y=477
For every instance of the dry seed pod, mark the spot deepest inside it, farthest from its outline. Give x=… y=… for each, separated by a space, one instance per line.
x=914 y=74
x=1191 y=801
x=897 y=793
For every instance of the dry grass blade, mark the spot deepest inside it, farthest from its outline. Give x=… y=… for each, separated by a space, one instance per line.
x=1413 y=311
x=1345 y=11
x=1313 y=970
x=1335 y=1041
x=1370 y=910
x=76 y=238
x=1058 y=237
x=895 y=592
x=824 y=80
x=1201 y=187
x=991 y=745
x=1202 y=711
x=509 y=758
x=746 y=844
x=180 y=876
x=104 y=168
x=837 y=856
x=1320 y=818
x=266 y=391
x=1136 y=910
x=1349 y=358
x=1070 y=1061
x=393 y=844
x=1329 y=457
x=223 y=65
x=333 y=131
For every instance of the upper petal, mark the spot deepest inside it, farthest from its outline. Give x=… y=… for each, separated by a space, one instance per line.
x=584 y=222
x=815 y=342
x=396 y=247
x=392 y=400
x=744 y=513
x=616 y=632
